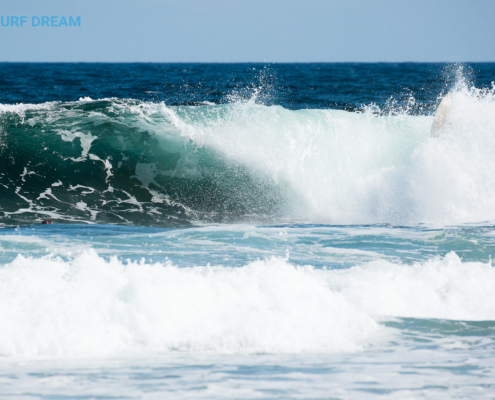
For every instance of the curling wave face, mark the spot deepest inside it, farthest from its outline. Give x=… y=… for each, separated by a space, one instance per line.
x=119 y=161
x=126 y=161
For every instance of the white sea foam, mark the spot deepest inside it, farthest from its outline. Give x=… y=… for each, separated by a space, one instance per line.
x=89 y=306
x=344 y=167
x=443 y=288
x=21 y=108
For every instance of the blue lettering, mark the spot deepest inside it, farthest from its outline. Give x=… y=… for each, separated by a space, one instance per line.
x=77 y=22
x=36 y=21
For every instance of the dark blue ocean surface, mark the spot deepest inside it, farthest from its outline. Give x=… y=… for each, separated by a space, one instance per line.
x=345 y=86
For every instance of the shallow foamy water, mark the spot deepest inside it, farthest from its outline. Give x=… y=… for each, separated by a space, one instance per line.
x=247 y=311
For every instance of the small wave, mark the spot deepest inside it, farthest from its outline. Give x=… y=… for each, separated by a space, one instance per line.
x=90 y=306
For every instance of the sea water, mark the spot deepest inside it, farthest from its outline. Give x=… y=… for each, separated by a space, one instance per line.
x=246 y=231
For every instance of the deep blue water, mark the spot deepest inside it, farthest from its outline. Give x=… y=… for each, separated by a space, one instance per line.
x=344 y=86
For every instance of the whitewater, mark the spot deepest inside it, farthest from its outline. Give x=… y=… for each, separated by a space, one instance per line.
x=245 y=242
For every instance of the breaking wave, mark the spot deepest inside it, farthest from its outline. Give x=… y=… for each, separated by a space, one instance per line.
x=127 y=161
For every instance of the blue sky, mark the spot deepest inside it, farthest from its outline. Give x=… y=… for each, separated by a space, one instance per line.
x=252 y=31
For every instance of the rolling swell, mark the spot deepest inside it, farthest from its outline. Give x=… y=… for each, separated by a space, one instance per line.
x=118 y=161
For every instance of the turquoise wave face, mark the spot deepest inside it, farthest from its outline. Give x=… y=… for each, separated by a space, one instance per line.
x=118 y=161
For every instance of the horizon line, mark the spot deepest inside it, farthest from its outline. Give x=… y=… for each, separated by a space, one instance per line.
x=245 y=62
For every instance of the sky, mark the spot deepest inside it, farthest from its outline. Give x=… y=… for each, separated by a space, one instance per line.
x=250 y=31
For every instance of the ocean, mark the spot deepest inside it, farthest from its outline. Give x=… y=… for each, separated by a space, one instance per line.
x=246 y=231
